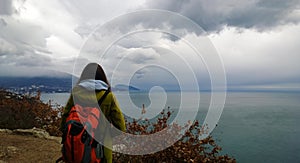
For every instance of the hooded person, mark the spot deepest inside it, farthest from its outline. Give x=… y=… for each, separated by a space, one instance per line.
x=91 y=86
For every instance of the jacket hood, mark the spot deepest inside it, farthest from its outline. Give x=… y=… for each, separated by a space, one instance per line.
x=84 y=93
x=92 y=85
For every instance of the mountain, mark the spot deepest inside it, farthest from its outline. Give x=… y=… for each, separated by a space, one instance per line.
x=33 y=84
x=47 y=84
x=123 y=87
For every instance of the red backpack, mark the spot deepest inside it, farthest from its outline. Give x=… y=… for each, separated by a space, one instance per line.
x=79 y=145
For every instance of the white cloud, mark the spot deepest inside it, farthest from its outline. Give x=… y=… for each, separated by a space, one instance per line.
x=7 y=48
x=61 y=48
x=95 y=12
x=35 y=35
x=139 y=55
x=253 y=57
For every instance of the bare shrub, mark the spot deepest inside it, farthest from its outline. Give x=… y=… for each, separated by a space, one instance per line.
x=189 y=148
x=27 y=111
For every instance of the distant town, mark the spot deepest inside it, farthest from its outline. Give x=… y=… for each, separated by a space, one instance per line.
x=34 y=88
x=25 y=85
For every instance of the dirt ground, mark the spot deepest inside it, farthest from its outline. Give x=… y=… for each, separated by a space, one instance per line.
x=26 y=148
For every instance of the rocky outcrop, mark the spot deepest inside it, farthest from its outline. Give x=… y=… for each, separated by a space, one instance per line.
x=36 y=132
x=30 y=145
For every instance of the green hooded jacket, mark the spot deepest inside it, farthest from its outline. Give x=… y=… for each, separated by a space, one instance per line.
x=109 y=107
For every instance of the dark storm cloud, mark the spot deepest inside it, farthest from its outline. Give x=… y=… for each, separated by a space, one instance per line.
x=6 y=7
x=213 y=15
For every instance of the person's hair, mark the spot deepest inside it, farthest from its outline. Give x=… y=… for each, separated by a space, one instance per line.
x=93 y=71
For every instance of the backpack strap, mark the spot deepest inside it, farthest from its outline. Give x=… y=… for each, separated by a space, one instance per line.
x=59 y=160
x=99 y=147
x=103 y=97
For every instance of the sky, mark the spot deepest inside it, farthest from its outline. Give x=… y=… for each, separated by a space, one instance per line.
x=257 y=41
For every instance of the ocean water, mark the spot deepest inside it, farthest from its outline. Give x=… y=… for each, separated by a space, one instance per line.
x=254 y=126
x=261 y=127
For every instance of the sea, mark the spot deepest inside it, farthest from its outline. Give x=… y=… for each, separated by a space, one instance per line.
x=253 y=127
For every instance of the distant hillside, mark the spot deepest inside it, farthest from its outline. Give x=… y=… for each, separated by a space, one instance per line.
x=47 y=84
x=123 y=87
x=32 y=84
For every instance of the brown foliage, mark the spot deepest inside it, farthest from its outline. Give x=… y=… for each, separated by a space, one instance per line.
x=189 y=148
x=26 y=111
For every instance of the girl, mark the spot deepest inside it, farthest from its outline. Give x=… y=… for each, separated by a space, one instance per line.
x=91 y=86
